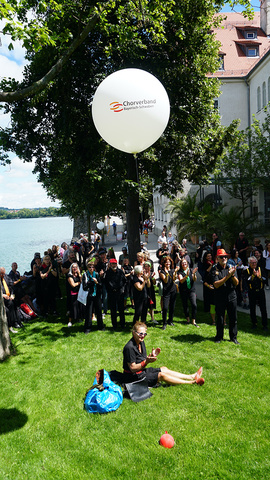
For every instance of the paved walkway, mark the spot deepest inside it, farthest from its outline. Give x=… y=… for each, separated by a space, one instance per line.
x=152 y=246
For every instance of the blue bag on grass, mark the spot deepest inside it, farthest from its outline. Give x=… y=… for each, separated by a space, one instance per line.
x=104 y=396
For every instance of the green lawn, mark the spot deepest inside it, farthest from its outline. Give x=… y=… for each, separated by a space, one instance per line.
x=221 y=430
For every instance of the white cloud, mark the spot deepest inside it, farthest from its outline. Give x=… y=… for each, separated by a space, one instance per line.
x=10 y=68
x=19 y=187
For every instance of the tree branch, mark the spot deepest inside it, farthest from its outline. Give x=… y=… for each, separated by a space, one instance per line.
x=39 y=85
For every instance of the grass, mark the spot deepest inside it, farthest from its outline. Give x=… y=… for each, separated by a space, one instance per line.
x=221 y=430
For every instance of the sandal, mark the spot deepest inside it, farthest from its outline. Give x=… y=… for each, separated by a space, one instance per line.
x=200 y=381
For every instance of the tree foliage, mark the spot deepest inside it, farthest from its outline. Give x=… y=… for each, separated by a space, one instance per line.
x=244 y=167
x=172 y=41
x=192 y=217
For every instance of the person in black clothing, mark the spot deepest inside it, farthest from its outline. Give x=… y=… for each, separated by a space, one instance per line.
x=261 y=262
x=48 y=275
x=214 y=246
x=207 y=286
x=168 y=276
x=162 y=252
x=91 y=282
x=135 y=359
x=101 y=268
x=140 y=281
x=20 y=295
x=256 y=294
x=115 y=281
x=241 y=244
x=187 y=277
x=128 y=272
x=225 y=282
x=8 y=297
x=75 y=308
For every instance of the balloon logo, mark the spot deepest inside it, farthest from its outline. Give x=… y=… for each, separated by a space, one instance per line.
x=131 y=110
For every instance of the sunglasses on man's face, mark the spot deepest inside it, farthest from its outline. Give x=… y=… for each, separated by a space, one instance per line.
x=222 y=256
x=141 y=334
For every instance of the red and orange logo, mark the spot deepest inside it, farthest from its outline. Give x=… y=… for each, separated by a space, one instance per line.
x=116 y=107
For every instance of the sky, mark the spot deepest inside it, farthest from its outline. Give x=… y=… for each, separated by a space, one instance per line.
x=18 y=185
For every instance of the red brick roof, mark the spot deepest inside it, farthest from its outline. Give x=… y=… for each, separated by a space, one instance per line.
x=231 y=37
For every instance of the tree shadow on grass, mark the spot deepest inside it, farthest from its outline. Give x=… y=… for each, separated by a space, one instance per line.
x=11 y=419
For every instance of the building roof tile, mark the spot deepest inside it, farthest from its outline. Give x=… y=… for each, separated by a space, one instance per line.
x=230 y=34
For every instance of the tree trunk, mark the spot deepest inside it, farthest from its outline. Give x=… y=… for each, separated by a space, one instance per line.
x=133 y=212
x=5 y=343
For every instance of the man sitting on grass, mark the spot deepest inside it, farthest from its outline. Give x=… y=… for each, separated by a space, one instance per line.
x=136 y=359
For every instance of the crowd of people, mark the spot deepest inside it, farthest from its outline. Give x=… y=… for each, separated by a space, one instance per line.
x=93 y=272
x=237 y=278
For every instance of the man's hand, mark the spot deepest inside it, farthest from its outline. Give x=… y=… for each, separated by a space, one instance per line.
x=232 y=271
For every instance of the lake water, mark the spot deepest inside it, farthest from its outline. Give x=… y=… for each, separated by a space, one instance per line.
x=21 y=238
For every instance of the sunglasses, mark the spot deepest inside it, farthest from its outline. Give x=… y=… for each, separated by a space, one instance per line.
x=222 y=256
x=140 y=334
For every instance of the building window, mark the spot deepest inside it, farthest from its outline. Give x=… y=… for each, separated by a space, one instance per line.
x=252 y=52
x=221 y=60
x=264 y=101
x=259 y=100
x=250 y=34
x=216 y=104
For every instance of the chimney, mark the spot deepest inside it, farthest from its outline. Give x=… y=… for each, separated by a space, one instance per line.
x=265 y=16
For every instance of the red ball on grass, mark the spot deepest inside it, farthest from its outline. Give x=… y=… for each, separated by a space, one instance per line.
x=166 y=440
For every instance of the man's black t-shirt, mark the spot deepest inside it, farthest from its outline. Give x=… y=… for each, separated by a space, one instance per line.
x=227 y=291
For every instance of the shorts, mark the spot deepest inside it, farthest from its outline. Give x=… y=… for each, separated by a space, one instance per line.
x=150 y=373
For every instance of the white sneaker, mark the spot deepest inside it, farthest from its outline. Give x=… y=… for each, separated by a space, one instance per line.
x=267 y=288
x=69 y=324
x=12 y=330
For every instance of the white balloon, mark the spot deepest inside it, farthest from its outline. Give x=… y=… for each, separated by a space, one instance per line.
x=131 y=110
x=100 y=225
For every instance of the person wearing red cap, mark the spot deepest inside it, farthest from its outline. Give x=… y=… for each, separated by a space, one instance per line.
x=115 y=281
x=225 y=282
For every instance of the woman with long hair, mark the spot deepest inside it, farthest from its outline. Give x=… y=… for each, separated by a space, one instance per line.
x=168 y=276
x=151 y=295
x=74 y=279
x=140 y=282
x=187 y=278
